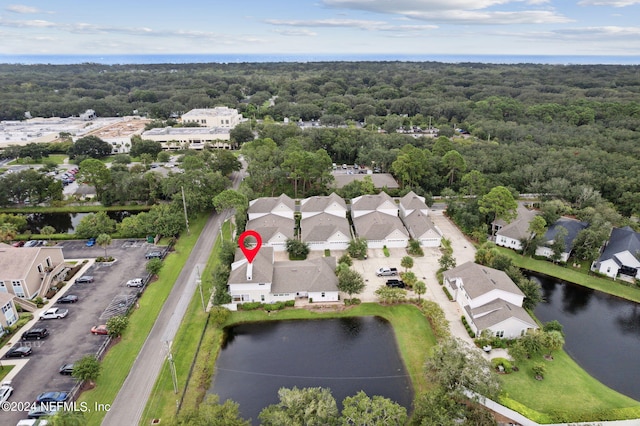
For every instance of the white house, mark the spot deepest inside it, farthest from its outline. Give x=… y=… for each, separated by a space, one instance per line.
x=331 y=204
x=415 y=216
x=573 y=228
x=325 y=231
x=8 y=311
x=489 y=300
x=268 y=281
x=619 y=254
x=324 y=223
x=381 y=203
x=380 y=229
x=274 y=230
x=283 y=206
x=509 y=234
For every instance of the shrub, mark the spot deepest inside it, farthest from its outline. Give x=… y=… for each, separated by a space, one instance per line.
x=385 y=250
x=346 y=259
x=250 y=306
x=538 y=370
x=414 y=248
x=468 y=327
x=449 y=296
x=219 y=315
x=436 y=317
x=353 y=301
x=290 y=303
x=505 y=363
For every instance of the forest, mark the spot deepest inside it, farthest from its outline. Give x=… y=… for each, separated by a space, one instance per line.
x=567 y=131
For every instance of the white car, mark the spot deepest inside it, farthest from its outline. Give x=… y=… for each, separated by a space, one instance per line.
x=136 y=282
x=5 y=391
x=54 y=313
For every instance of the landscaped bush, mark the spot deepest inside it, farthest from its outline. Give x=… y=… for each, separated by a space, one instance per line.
x=290 y=303
x=276 y=306
x=468 y=327
x=219 y=315
x=353 y=301
x=250 y=306
x=449 y=296
x=385 y=250
x=505 y=363
x=434 y=313
x=104 y=259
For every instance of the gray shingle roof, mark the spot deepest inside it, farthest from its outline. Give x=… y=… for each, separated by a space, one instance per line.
x=572 y=226
x=621 y=239
x=267 y=204
x=262 y=267
x=322 y=226
x=419 y=224
x=371 y=202
x=305 y=275
x=412 y=201
x=497 y=311
x=319 y=204
x=378 y=226
x=519 y=227
x=479 y=280
x=269 y=225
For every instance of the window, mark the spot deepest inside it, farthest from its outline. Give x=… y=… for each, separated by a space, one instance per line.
x=500 y=333
x=262 y=297
x=322 y=294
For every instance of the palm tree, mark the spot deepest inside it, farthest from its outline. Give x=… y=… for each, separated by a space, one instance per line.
x=104 y=240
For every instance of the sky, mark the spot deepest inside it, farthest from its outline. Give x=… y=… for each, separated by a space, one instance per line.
x=319 y=27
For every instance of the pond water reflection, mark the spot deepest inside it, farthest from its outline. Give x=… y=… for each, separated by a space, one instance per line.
x=346 y=355
x=66 y=222
x=602 y=332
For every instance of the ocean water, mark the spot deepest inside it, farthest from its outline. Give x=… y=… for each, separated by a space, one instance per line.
x=257 y=58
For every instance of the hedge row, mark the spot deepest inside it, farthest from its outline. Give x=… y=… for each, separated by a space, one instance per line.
x=276 y=306
x=466 y=325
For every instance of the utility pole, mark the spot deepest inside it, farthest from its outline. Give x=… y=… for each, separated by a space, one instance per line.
x=199 y=282
x=184 y=205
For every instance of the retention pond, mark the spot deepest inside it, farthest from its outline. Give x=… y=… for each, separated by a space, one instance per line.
x=346 y=355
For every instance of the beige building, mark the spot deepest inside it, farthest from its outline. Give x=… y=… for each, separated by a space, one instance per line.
x=8 y=312
x=213 y=117
x=198 y=138
x=25 y=270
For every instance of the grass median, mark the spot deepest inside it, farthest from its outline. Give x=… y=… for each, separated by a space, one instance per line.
x=120 y=358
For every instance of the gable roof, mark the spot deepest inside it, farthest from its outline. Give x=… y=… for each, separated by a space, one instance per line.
x=267 y=204
x=262 y=271
x=497 y=311
x=319 y=204
x=519 y=227
x=305 y=275
x=322 y=226
x=413 y=201
x=572 y=226
x=378 y=226
x=419 y=224
x=16 y=262
x=371 y=202
x=479 y=280
x=620 y=240
x=270 y=224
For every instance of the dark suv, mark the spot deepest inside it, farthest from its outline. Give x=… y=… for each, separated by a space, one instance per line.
x=35 y=334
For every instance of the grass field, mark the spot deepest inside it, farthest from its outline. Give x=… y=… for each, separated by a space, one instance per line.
x=119 y=359
x=566 y=394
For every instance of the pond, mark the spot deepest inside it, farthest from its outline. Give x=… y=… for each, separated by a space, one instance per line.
x=346 y=355
x=66 y=222
x=602 y=332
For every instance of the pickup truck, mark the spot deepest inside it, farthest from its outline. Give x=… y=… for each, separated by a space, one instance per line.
x=395 y=283
x=387 y=272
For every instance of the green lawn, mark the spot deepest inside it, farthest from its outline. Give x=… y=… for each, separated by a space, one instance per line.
x=573 y=275
x=56 y=158
x=4 y=370
x=567 y=394
x=119 y=359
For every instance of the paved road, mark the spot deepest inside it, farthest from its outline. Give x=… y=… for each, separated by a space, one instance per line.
x=130 y=402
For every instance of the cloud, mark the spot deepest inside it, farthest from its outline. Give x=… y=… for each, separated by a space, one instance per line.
x=612 y=3
x=601 y=33
x=20 y=8
x=457 y=11
x=296 y=33
x=349 y=23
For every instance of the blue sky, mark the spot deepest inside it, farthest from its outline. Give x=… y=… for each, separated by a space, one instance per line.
x=479 y=27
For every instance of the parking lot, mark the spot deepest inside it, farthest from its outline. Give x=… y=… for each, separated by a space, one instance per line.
x=70 y=338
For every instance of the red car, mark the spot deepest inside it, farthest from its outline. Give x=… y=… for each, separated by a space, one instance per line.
x=18 y=244
x=99 y=329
